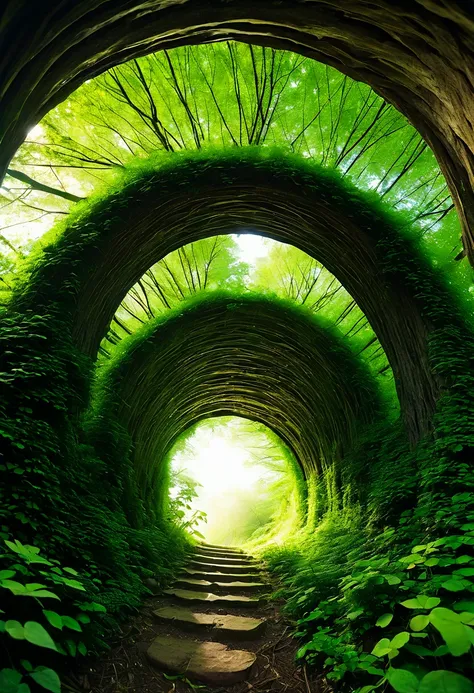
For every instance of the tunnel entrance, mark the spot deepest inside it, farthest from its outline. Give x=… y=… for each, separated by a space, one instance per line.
x=234 y=482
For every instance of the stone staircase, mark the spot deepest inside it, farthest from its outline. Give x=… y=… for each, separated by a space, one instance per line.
x=213 y=593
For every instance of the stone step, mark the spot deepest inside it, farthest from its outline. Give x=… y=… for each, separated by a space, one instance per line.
x=236 y=627
x=210 y=662
x=219 y=549
x=222 y=577
x=206 y=566
x=223 y=554
x=234 y=549
x=244 y=560
x=217 y=599
x=189 y=583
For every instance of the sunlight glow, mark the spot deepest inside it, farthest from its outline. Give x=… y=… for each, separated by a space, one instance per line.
x=235 y=488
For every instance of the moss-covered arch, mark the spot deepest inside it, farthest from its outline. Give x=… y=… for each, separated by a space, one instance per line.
x=419 y=57
x=259 y=358
x=106 y=249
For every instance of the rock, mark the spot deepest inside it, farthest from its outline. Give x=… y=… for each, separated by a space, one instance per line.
x=210 y=662
x=211 y=566
x=218 y=599
x=187 y=582
x=238 y=627
x=152 y=584
x=222 y=577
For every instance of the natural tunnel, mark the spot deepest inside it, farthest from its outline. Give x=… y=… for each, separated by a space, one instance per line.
x=242 y=356
x=381 y=540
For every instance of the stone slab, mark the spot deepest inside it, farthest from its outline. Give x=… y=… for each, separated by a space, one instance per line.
x=210 y=566
x=237 y=627
x=241 y=560
x=217 y=599
x=220 y=548
x=187 y=582
x=210 y=662
x=222 y=577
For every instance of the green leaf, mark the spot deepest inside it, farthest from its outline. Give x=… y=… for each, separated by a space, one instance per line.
x=454 y=585
x=71 y=571
x=5 y=574
x=402 y=681
x=82 y=648
x=400 y=640
x=93 y=606
x=83 y=618
x=382 y=648
x=421 y=602
x=71 y=646
x=54 y=619
x=37 y=635
x=420 y=622
x=71 y=623
x=47 y=678
x=74 y=584
x=454 y=633
x=445 y=682
x=15 y=630
x=384 y=620
x=465 y=605
x=10 y=680
x=40 y=593
x=428 y=602
x=13 y=586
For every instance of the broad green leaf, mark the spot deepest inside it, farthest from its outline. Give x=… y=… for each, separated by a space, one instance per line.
x=428 y=602
x=384 y=620
x=421 y=602
x=382 y=648
x=9 y=680
x=81 y=647
x=13 y=586
x=411 y=604
x=54 y=619
x=400 y=640
x=47 y=678
x=454 y=585
x=454 y=633
x=71 y=571
x=15 y=630
x=442 y=681
x=402 y=681
x=6 y=574
x=74 y=584
x=420 y=622
x=37 y=635
x=40 y=594
x=465 y=605
x=71 y=623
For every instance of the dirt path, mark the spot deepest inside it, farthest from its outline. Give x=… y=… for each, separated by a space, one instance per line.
x=214 y=630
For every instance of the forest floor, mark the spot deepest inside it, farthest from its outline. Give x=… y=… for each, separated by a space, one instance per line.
x=127 y=669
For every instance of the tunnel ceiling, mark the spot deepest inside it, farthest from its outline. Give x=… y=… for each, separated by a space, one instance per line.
x=418 y=57
x=104 y=251
x=262 y=359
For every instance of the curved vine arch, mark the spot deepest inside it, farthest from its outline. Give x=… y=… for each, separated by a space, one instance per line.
x=261 y=359
x=104 y=251
x=420 y=59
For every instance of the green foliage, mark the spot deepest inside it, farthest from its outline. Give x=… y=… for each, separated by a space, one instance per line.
x=28 y=628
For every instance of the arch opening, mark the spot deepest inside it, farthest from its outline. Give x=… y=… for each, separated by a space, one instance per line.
x=236 y=483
